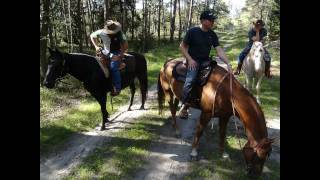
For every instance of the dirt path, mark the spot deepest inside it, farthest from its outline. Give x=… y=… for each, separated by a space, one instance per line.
x=169 y=155
x=59 y=164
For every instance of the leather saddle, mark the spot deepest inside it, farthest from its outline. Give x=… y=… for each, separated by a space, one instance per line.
x=127 y=64
x=179 y=71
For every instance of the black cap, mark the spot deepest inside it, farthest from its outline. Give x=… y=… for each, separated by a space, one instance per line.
x=207 y=15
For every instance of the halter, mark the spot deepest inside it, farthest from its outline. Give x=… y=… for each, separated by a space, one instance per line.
x=64 y=69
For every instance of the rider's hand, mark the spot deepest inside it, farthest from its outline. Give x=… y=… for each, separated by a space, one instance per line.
x=192 y=65
x=229 y=67
x=98 y=49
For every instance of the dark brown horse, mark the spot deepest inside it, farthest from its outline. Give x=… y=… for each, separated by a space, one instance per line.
x=258 y=147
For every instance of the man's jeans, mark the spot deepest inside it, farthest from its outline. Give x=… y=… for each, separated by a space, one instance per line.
x=189 y=83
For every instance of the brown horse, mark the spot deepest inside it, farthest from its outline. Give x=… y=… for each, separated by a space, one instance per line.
x=258 y=147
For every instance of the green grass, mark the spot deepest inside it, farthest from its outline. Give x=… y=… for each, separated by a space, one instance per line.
x=157 y=57
x=222 y=169
x=124 y=154
x=84 y=117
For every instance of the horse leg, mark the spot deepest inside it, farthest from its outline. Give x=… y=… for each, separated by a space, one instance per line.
x=258 y=87
x=204 y=119
x=253 y=79
x=223 y=121
x=246 y=84
x=173 y=103
x=133 y=90
x=143 y=81
x=103 y=101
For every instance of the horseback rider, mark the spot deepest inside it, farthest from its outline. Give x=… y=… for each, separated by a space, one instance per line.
x=254 y=36
x=114 y=46
x=196 y=47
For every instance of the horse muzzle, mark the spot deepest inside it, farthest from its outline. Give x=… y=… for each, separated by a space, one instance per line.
x=48 y=85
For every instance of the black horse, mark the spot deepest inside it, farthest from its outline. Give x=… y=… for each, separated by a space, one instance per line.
x=86 y=69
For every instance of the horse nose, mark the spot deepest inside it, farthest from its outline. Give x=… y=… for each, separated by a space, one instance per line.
x=47 y=84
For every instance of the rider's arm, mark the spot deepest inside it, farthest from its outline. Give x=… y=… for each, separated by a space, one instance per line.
x=94 y=38
x=184 y=50
x=222 y=55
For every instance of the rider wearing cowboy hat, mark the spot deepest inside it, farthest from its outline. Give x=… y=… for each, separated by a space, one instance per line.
x=254 y=36
x=114 y=45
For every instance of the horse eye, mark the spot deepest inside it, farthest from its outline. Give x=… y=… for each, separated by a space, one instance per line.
x=261 y=50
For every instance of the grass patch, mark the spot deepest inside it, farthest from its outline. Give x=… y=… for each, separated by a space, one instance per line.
x=217 y=168
x=124 y=154
x=81 y=118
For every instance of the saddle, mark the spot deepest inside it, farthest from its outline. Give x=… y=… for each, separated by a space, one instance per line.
x=127 y=64
x=179 y=71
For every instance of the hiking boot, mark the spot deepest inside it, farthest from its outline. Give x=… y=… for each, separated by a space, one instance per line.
x=238 y=70
x=183 y=113
x=115 y=92
x=267 y=69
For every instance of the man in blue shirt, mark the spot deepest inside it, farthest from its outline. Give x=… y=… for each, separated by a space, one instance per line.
x=254 y=36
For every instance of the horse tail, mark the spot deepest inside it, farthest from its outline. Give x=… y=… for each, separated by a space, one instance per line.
x=161 y=96
x=142 y=74
x=143 y=79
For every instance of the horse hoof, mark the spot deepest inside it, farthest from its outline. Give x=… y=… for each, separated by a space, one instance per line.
x=225 y=155
x=142 y=108
x=129 y=109
x=178 y=134
x=194 y=158
x=102 y=128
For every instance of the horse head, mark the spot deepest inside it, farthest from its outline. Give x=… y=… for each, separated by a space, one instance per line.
x=257 y=51
x=56 y=68
x=256 y=156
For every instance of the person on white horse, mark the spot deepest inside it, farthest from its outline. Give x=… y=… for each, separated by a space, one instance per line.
x=253 y=37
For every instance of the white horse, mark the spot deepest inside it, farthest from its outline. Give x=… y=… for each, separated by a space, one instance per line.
x=254 y=67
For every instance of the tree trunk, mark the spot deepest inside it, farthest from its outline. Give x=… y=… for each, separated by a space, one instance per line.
x=261 y=9
x=144 y=25
x=51 y=41
x=173 y=20
x=122 y=15
x=66 y=24
x=149 y=17
x=43 y=40
x=55 y=36
x=70 y=22
x=190 y=14
x=159 y=18
x=132 y=19
x=84 y=26
x=106 y=10
x=164 y=23
x=125 y=9
x=79 y=26
x=180 y=28
x=91 y=16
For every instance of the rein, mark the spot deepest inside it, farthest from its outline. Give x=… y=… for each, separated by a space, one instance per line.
x=231 y=99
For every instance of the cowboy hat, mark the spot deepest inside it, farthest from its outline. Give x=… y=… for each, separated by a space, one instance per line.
x=112 y=27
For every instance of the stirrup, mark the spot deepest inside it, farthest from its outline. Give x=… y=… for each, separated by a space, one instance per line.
x=183 y=113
